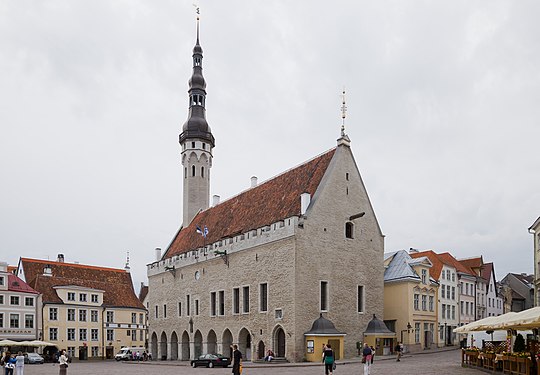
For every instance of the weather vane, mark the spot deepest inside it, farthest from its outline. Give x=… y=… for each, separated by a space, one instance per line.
x=343 y=113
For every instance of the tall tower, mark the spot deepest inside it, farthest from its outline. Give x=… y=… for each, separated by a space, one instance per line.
x=196 y=142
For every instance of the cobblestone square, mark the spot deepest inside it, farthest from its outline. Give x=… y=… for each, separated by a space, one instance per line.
x=427 y=364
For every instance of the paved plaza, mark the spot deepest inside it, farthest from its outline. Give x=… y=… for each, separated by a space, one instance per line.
x=427 y=364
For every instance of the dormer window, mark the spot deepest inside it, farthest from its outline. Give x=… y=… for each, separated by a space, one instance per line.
x=349 y=230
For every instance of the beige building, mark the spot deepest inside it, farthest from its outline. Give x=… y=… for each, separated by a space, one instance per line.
x=535 y=231
x=89 y=311
x=410 y=300
x=260 y=268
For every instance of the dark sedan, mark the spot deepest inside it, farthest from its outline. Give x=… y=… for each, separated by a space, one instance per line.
x=211 y=360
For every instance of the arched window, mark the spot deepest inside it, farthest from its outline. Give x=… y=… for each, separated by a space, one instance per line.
x=193 y=170
x=349 y=230
x=202 y=172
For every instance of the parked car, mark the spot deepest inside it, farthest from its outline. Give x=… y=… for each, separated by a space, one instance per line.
x=33 y=358
x=211 y=360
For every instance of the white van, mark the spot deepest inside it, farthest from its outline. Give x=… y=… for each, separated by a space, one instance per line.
x=126 y=353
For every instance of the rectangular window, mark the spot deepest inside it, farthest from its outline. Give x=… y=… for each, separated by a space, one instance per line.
x=28 y=321
x=14 y=300
x=94 y=334
x=134 y=318
x=71 y=296
x=196 y=307
x=82 y=315
x=95 y=351
x=71 y=334
x=179 y=308
x=417 y=333
x=213 y=304
x=95 y=298
x=94 y=316
x=263 y=297
x=29 y=301
x=221 y=302
x=110 y=335
x=245 y=295
x=324 y=296
x=188 y=305
x=424 y=303
x=431 y=307
x=360 y=299
x=417 y=301
x=236 y=301
x=71 y=315
x=82 y=334
x=53 y=313
x=82 y=297
x=110 y=316
x=53 y=334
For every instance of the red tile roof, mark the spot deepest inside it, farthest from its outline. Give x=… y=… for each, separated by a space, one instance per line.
x=435 y=271
x=116 y=283
x=265 y=204
x=17 y=285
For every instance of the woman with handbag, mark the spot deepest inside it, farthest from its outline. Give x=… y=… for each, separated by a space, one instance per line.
x=63 y=361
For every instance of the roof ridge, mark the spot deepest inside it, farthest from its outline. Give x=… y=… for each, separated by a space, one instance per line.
x=272 y=178
x=73 y=265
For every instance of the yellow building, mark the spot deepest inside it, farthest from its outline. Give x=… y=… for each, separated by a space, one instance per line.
x=90 y=311
x=410 y=300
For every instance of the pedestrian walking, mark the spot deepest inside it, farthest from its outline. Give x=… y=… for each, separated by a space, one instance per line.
x=236 y=360
x=366 y=359
x=398 y=350
x=63 y=361
x=329 y=359
x=19 y=364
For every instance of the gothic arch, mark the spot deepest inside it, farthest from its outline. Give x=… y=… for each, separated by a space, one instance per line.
x=174 y=346
x=154 y=345
x=211 y=340
x=198 y=343
x=163 y=346
x=185 y=347
x=278 y=340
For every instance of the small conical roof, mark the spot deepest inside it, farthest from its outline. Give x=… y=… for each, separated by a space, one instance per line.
x=323 y=326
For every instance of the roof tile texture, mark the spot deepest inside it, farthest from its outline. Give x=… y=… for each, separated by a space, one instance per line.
x=267 y=203
x=116 y=283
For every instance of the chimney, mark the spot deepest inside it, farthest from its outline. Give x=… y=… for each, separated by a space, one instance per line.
x=305 y=199
x=60 y=258
x=47 y=271
x=215 y=200
x=158 y=253
x=253 y=181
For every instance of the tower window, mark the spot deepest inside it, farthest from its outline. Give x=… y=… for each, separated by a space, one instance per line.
x=193 y=170
x=202 y=172
x=349 y=230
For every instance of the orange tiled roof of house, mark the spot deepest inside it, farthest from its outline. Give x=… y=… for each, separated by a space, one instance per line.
x=116 y=283
x=436 y=269
x=448 y=259
x=265 y=204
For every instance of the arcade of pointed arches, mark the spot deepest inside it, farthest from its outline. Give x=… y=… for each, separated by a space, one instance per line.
x=184 y=346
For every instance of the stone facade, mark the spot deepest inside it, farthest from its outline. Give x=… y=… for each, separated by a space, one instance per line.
x=290 y=267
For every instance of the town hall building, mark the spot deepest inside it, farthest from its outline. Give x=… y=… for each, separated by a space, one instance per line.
x=262 y=268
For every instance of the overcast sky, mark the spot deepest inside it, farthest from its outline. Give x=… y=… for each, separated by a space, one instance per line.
x=443 y=112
